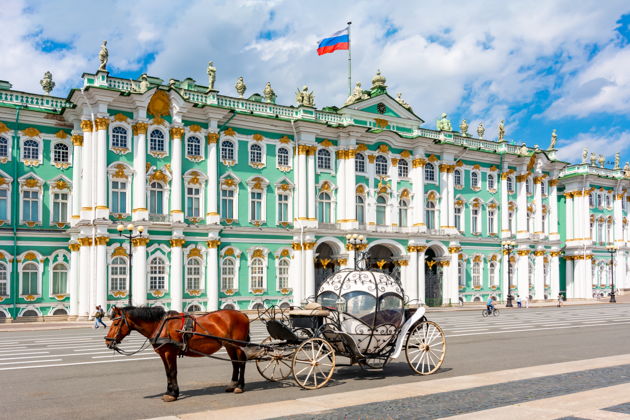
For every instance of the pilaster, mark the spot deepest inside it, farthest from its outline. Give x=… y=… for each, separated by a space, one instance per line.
x=417 y=179
x=75 y=268
x=177 y=282
x=212 y=274
x=86 y=177
x=77 y=171
x=102 y=209
x=212 y=216
x=177 y=215
x=139 y=262
x=140 y=211
x=521 y=208
x=100 y=243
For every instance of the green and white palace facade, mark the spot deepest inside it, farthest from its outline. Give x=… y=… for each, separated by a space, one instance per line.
x=245 y=202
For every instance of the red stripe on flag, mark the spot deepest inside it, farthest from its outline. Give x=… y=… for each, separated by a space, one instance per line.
x=331 y=48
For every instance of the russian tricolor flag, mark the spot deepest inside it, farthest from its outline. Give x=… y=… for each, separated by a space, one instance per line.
x=338 y=41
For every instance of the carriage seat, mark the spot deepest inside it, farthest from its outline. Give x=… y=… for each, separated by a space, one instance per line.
x=342 y=342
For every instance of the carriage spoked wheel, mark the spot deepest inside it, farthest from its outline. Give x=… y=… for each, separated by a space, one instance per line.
x=425 y=348
x=275 y=365
x=313 y=363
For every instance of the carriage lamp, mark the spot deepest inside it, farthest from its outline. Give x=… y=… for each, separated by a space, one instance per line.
x=340 y=305
x=612 y=249
x=508 y=247
x=130 y=237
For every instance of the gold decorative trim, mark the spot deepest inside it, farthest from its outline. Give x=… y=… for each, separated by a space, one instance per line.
x=101 y=123
x=177 y=243
x=213 y=138
x=195 y=128
x=140 y=128
x=136 y=242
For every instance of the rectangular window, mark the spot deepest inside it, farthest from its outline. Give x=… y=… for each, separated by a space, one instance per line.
x=193 y=202
x=4 y=205
x=458 y=218
x=491 y=224
x=283 y=207
x=60 y=208
x=255 y=206
x=30 y=206
x=60 y=282
x=227 y=204
x=29 y=283
x=475 y=221
x=119 y=197
x=3 y=280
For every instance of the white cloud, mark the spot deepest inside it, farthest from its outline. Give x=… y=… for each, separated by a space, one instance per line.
x=607 y=144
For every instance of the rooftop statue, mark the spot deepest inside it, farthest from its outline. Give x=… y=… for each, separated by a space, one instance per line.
x=601 y=159
x=501 y=130
x=481 y=130
x=103 y=57
x=304 y=97
x=524 y=149
x=554 y=138
x=47 y=83
x=378 y=81
x=463 y=128
x=617 y=159
x=240 y=87
x=444 y=124
x=269 y=94
x=626 y=168
x=401 y=101
x=357 y=95
x=585 y=155
x=144 y=83
x=212 y=75
x=593 y=159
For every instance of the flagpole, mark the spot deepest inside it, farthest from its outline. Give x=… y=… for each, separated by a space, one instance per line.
x=349 y=63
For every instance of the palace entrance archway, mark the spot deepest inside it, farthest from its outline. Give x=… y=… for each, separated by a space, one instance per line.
x=432 y=279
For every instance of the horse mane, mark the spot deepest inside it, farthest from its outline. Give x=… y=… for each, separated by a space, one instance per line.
x=145 y=313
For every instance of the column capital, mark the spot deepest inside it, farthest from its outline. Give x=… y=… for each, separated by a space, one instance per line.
x=177 y=132
x=309 y=245
x=101 y=240
x=139 y=128
x=74 y=246
x=303 y=149
x=214 y=243
x=85 y=241
x=136 y=242
x=553 y=182
x=213 y=138
x=454 y=249
x=86 y=125
x=418 y=163
x=101 y=123
x=539 y=253
x=177 y=243
x=555 y=253
x=77 y=140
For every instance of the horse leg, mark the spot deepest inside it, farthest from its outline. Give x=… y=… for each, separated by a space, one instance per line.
x=242 y=357
x=233 y=386
x=169 y=358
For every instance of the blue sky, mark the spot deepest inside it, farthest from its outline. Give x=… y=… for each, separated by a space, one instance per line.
x=538 y=65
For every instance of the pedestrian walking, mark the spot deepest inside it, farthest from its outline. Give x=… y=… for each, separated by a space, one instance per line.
x=99 y=313
x=461 y=301
x=519 y=302
x=559 y=300
x=526 y=302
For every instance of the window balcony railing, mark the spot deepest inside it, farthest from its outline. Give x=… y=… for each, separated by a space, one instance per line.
x=160 y=218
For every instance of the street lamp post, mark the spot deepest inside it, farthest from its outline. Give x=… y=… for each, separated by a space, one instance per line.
x=508 y=247
x=356 y=243
x=130 y=237
x=613 y=250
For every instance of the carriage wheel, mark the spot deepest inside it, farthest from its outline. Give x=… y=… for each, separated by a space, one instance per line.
x=425 y=348
x=275 y=365
x=313 y=363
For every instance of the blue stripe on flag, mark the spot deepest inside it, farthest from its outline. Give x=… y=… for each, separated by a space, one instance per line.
x=334 y=40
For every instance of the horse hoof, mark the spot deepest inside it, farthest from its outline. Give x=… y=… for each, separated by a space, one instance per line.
x=238 y=391
x=229 y=389
x=168 y=398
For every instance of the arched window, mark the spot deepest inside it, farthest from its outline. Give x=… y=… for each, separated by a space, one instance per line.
x=492 y=225
x=474 y=179
x=4 y=147
x=59 y=279
x=30 y=271
x=227 y=150
x=323 y=159
x=118 y=274
x=403 y=168
x=324 y=207
x=608 y=200
x=491 y=183
x=194 y=308
x=492 y=274
x=403 y=212
x=60 y=153
x=156 y=198
x=429 y=172
x=359 y=163
x=30 y=150
x=360 y=210
x=430 y=214
x=193 y=274
x=194 y=146
x=119 y=137
x=283 y=273
x=381 y=165
x=257 y=277
x=511 y=222
x=590 y=200
x=530 y=221
x=228 y=274
x=283 y=156
x=475 y=223
x=255 y=153
x=476 y=274
x=156 y=141
x=381 y=207
x=458 y=178
x=510 y=184
x=157 y=274
x=4 y=280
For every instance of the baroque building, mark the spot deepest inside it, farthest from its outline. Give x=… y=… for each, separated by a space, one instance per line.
x=245 y=202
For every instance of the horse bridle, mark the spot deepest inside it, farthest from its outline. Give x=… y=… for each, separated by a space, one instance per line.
x=113 y=342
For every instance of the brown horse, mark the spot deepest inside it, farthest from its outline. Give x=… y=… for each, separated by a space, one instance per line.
x=161 y=328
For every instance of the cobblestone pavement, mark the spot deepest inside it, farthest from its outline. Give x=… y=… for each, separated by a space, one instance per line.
x=483 y=398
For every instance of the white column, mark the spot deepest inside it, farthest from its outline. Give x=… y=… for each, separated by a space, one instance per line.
x=538 y=227
x=505 y=280
x=452 y=278
x=370 y=202
x=505 y=224
x=84 y=276
x=140 y=211
x=101 y=271
x=311 y=194
x=309 y=269
x=213 y=177
x=102 y=210
x=569 y=277
x=77 y=170
x=411 y=279
x=618 y=218
x=444 y=197
x=569 y=216
x=450 y=176
x=620 y=269
x=539 y=275
x=521 y=204
x=554 y=234
x=554 y=266
x=177 y=283
x=578 y=277
x=177 y=215
x=139 y=262
x=417 y=179
x=522 y=265
x=298 y=277
x=350 y=180
x=302 y=213
x=588 y=277
x=73 y=287
x=342 y=194
x=86 y=175
x=421 y=274
x=578 y=211
x=212 y=274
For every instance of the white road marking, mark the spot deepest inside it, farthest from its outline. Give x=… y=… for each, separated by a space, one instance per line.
x=30 y=361
x=75 y=364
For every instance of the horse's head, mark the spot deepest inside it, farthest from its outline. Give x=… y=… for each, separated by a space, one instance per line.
x=119 y=329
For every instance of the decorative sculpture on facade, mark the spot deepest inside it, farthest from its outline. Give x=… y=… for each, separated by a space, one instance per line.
x=402 y=102
x=463 y=128
x=378 y=81
x=626 y=168
x=601 y=159
x=357 y=95
x=585 y=155
x=502 y=130
x=103 y=57
x=144 y=83
x=304 y=97
x=47 y=83
x=212 y=75
x=593 y=159
x=617 y=159
x=554 y=138
x=444 y=124
x=269 y=94
x=481 y=130
x=240 y=87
